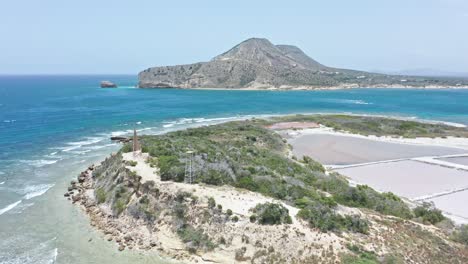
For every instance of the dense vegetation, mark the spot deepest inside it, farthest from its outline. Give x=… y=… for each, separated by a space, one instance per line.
x=272 y=214
x=247 y=155
x=428 y=213
x=461 y=234
x=379 y=126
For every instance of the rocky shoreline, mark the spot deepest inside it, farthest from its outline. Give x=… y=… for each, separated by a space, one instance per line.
x=314 y=88
x=81 y=192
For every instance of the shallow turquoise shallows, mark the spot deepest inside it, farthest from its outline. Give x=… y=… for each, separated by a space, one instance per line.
x=51 y=127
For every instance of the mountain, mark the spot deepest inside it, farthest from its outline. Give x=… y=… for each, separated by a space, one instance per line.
x=257 y=63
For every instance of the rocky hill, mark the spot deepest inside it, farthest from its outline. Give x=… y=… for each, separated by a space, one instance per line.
x=258 y=64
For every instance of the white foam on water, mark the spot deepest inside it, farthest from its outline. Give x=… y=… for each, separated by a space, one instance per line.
x=9 y=207
x=80 y=152
x=120 y=133
x=37 y=253
x=53 y=258
x=9 y=121
x=358 y=102
x=39 y=163
x=138 y=123
x=100 y=146
x=36 y=190
x=1 y=183
x=87 y=141
x=22 y=207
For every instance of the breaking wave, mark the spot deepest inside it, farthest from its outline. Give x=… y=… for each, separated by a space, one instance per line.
x=9 y=207
x=36 y=190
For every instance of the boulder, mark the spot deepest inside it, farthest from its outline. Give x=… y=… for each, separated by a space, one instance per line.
x=108 y=84
x=76 y=198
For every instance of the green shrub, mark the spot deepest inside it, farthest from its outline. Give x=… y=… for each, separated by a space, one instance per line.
x=364 y=196
x=126 y=148
x=229 y=212
x=253 y=218
x=211 y=202
x=235 y=218
x=324 y=218
x=100 y=195
x=428 y=213
x=220 y=207
x=196 y=238
x=312 y=164
x=132 y=163
x=247 y=183
x=359 y=256
x=272 y=214
x=461 y=234
x=120 y=206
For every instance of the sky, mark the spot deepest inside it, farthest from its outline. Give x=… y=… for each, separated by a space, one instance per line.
x=125 y=37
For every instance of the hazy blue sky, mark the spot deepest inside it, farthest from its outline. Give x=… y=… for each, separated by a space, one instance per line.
x=112 y=36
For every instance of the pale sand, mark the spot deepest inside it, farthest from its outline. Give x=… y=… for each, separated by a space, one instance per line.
x=240 y=201
x=457 y=160
x=452 y=142
x=344 y=149
x=454 y=204
x=410 y=179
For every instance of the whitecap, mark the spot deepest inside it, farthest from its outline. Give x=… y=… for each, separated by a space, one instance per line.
x=9 y=207
x=359 y=102
x=53 y=153
x=99 y=146
x=87 y=141
x=169 y=125
x=119 y=133
x=38 y=163
x=1 y=183
x=138 y=123
x=54 y=256
x=36 y=190
x=80 y=152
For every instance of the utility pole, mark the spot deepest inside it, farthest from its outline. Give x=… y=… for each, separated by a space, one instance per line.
x=189 y=177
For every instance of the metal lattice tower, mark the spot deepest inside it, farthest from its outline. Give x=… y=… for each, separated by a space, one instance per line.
x=189 y=176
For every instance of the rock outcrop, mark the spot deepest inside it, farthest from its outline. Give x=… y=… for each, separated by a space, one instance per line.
x=257 y=63
x=108 y=84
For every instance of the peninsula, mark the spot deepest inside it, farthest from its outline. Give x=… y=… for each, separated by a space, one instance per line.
x=256 y=63
x=241 y=192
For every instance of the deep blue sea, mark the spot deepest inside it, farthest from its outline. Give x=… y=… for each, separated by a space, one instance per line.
x=52 y=127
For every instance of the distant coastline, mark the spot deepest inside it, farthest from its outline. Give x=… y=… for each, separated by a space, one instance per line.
x=256 y=63
x=318 y=88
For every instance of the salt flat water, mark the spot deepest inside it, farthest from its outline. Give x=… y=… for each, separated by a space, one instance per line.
x=52 y=127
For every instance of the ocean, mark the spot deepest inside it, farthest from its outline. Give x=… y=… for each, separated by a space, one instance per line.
x=53 y=127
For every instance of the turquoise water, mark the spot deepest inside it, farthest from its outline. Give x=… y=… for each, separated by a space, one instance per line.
x=51 y=127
